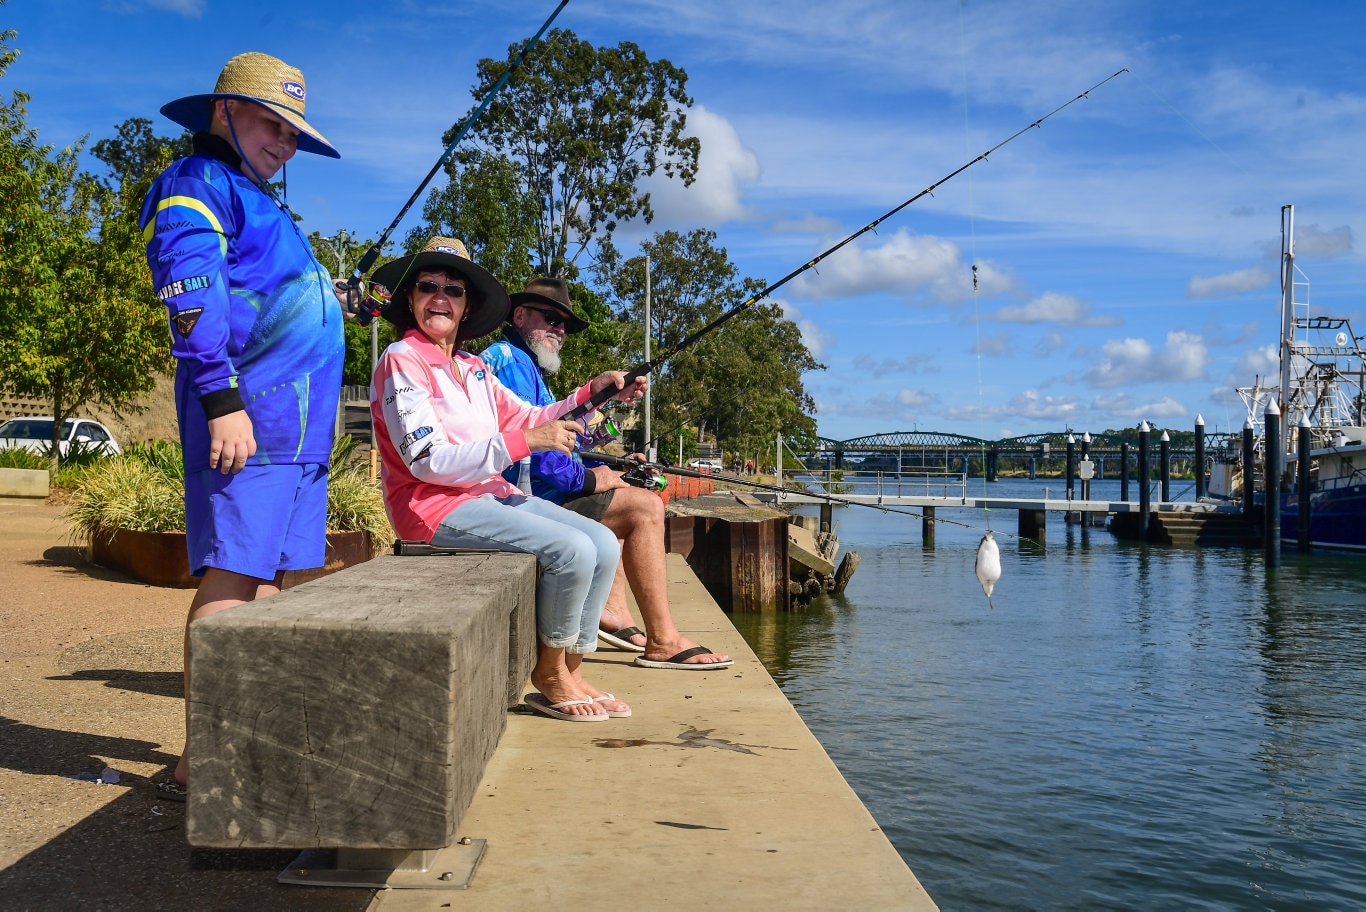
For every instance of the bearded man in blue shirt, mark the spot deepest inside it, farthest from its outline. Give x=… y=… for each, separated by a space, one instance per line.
x=538 y=323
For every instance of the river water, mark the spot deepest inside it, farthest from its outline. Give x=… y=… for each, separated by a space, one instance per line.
x=1131 y=727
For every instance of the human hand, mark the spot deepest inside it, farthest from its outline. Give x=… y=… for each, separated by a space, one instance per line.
x=232 y=442
x=628 y=393
x=557 y=435
x=350 y=298
x=606 y=478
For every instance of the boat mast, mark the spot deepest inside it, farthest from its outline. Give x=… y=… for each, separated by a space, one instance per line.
x=1287 y=303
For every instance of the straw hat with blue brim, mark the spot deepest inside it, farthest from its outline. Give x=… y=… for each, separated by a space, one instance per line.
x=261 y=78
x=487 y=300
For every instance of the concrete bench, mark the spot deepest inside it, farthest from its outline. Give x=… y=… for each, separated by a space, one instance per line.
x=357 y=710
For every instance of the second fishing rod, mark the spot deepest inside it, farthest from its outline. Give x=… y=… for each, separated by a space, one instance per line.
x=665 y=354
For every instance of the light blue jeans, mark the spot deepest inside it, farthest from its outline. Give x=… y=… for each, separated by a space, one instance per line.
x=578 y=559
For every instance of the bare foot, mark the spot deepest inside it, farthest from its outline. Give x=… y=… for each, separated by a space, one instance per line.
x=562 y=688
x=600 y=698
x=615 y=619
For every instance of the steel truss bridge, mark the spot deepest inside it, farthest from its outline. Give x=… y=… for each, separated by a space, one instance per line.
x=893 y=451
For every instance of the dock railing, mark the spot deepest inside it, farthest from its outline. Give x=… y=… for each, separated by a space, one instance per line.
x=926 y=483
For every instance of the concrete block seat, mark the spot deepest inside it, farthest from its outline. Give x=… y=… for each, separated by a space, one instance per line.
x=358 y=710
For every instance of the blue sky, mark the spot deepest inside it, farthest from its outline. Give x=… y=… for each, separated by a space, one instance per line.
x=1128 y=250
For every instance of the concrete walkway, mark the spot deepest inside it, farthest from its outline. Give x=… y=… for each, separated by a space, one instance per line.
x=712 y=794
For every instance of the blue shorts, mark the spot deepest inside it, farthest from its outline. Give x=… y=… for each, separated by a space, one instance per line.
x=264 y=519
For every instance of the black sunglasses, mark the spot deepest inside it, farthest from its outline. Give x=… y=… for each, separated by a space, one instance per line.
x=551 y=318
x=454 y=292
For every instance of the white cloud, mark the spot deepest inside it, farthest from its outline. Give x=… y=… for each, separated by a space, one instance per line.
x=191 y=8
x=1052 y=307
x=1026 y=405
x=1128 y=361
x=1122 y=405
x=817 y=340
x=810 y=223
x=1230 y=283
x=1262 y=362
x=1050 y=343
x=906 y=264
x=993 y=345
x=724 y=166
x=1311 y=240
x=914 y=364
x=904 y=407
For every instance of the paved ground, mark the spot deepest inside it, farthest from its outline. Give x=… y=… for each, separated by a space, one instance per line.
x=716 y=795
x=90 y=678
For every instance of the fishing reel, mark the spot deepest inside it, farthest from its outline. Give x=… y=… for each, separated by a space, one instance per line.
x=601 y=431
x=642 y=476
x=370 y=306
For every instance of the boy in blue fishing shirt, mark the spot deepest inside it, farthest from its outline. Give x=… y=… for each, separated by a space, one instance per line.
x=256 y=330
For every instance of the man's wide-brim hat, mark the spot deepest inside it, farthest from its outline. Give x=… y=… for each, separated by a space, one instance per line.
x=543 y=292
x=261 y=78
x=487 y=301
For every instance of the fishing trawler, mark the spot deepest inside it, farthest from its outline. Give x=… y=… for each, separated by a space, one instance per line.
x=1322 y=394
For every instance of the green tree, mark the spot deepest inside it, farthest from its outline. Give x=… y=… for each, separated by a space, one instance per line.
x=483 y=205
x=82 y=325
x=742 y=381
x=340 y=254
x=582 y=126
x=136 y=152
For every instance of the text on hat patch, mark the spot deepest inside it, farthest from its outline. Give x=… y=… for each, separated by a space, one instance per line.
x=293 y=89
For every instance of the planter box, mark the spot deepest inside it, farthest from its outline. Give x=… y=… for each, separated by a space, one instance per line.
x=160 y=559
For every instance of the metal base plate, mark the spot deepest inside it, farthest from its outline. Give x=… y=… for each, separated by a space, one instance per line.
x=450 y=868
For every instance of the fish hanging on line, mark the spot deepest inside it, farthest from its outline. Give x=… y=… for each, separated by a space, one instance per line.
x=988 y=566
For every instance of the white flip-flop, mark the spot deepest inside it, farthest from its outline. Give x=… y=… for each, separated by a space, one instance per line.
x=614 y=713
x=542 y=705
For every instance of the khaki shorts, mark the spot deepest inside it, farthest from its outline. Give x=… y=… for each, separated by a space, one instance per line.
x=594 y=506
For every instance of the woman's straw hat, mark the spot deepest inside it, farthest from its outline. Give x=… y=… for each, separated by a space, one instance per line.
x=488 y=300
x=261 y=78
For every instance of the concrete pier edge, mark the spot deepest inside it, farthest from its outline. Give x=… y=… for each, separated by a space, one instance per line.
x=714 y=793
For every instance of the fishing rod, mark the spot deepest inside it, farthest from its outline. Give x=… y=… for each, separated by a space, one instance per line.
x=371 y=306
x=667 y=353
x=648 y=475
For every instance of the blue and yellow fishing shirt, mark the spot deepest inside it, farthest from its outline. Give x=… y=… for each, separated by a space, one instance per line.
x=254 y=323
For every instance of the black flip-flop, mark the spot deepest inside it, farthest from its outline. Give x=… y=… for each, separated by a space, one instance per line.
x=679 y=662
x=171 y=790
x=622 y=638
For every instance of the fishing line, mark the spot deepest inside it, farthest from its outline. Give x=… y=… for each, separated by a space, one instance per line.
x=972 y=235
x=371 y=309
x=642 y=369
x=626 y=462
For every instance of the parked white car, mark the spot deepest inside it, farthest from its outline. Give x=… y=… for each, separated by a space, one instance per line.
x=705 y=465
x=85 y=434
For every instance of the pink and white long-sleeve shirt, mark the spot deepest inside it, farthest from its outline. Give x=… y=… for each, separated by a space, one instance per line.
x=446 y=428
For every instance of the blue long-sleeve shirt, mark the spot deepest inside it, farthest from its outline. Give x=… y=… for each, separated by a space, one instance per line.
x=554 y=476
x=254 y=323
